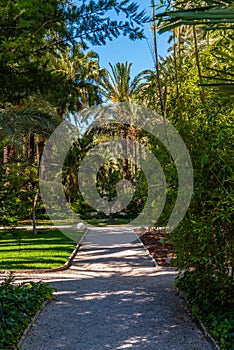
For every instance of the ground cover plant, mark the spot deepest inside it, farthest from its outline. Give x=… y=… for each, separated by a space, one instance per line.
x=18 y=305
x=21 y=249
x=217 y=316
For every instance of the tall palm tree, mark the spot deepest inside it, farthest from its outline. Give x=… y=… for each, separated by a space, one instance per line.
x=118 y=86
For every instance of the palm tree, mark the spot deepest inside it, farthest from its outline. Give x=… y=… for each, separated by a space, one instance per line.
x=118 y=86
x=82 y=75
x=209 y=16
x=20 y=126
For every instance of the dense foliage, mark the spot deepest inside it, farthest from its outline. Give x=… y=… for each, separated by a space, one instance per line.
x=198 y=88
x=32 y=34
x=18 y=304
x=46 y=74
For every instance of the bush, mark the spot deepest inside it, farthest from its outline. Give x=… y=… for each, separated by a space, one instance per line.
x=18 y=305
x=204 y=304
x=204 y=243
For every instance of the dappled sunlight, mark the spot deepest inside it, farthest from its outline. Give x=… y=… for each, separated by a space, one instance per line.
x=64 y=292
x=124 y=296
x=132 y=342
x=114 y=297
x=91 y=271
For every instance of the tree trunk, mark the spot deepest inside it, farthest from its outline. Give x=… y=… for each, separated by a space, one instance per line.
x=25 y=147
x=134 y=150
x=176 y=67
x=9 y=152
x=157 y=60
x=6 y=152
x=39 y=150
x=125 y=154
x=36 y=197
x=12 y=153
x=31 y=148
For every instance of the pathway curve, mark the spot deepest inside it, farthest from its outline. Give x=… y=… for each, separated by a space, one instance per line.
x=113 y=297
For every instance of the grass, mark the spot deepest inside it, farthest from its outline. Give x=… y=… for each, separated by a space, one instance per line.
x=21 y=249
x=91 y=221
x=104 y=222
x=48 y=222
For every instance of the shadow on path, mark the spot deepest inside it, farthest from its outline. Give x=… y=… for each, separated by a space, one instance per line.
x=114 y=297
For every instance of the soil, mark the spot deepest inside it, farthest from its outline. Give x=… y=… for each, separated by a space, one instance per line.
x=161 y=250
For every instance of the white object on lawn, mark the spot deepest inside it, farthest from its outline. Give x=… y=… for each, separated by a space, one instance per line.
x=81 y=226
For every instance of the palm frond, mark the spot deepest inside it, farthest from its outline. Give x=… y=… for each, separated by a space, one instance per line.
x=206 y=16
x=212 y=16
x=15 y=122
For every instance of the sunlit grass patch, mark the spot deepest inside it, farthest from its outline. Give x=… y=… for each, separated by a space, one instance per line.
x=21 y=249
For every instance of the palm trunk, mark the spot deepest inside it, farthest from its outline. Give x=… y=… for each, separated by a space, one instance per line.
x=6 y=154
x=9 y=152
x=25 y=147
x=125 y=154
x=157 y=61
x=176 y=69
x=134 y=151
x=35 y=200
x=31 y=148
x=12 y=153
x=39 y=150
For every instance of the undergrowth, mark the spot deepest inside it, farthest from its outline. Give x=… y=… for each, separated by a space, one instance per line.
x=218 y=317
x=18 y=305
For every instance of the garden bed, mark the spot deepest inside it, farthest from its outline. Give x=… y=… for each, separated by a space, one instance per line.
x=161 y=251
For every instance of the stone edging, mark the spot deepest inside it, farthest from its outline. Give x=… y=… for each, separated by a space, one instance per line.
x=147 y=250
x=210 y=339
x=33 y=320
x=200 y=325
x=59 y=268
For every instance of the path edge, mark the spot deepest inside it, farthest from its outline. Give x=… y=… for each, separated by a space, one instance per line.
x=200 y=325
x=146 y=249
x=209 y=337
x=31 y=323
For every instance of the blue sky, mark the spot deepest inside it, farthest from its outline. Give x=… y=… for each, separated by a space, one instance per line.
x=138 y=52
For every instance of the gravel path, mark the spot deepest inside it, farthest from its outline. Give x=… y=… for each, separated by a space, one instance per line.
x=113 y=297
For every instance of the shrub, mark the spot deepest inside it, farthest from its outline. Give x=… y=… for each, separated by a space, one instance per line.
x=18 y=305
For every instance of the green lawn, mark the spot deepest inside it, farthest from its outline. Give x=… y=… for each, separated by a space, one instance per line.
x=21 y=249
x=48 y=222
x=104 y=222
